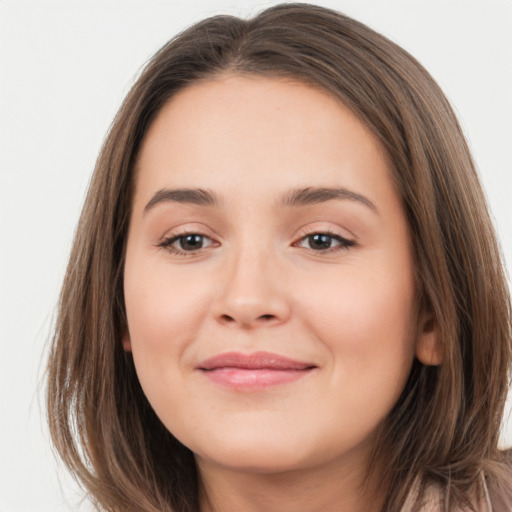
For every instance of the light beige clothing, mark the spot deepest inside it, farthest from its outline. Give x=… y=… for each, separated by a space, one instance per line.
x=433 y=499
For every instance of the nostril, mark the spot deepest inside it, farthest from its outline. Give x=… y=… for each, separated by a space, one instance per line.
x=227 y=319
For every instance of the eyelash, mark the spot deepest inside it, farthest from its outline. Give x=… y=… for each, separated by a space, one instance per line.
x=344 y=243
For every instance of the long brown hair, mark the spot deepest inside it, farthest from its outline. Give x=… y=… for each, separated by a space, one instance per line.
x=444 y=428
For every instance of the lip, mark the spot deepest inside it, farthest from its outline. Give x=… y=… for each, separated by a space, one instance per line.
x=248 y=372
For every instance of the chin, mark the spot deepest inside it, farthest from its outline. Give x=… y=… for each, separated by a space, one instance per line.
x=256 y=456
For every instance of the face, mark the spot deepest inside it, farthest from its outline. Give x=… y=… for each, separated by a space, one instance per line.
x=269 y=283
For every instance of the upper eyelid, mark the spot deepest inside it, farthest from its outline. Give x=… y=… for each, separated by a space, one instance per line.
x=336 y=232
x=179 y=231
x=303 y=231
x=330 y=234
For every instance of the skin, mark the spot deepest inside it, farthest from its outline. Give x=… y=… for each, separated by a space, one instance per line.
x=256 y=282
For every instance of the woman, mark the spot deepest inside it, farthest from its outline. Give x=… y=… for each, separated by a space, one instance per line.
x=285 y=291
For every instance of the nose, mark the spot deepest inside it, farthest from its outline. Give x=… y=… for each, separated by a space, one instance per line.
x=252 y=292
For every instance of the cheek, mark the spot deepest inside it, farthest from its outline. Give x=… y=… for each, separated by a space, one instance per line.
x=365 y=318
x=164 y=311
x=367 y=323
x=161 y=302
x=164 y=314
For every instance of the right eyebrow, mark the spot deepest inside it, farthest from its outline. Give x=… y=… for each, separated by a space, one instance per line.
x=315 y=195
x=198 y=196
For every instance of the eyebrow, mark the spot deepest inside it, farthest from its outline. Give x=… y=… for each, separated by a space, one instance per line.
x=198 y=196
x=314 y=195
x=293 y=198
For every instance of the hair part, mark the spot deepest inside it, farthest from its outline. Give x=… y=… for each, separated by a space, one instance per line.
x=445 y=427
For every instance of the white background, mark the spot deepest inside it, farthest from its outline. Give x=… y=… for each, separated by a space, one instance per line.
x=64 y=69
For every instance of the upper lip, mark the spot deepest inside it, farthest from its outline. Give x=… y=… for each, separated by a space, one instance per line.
x=254 y=361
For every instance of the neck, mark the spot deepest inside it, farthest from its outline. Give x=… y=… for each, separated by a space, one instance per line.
x=331 y=488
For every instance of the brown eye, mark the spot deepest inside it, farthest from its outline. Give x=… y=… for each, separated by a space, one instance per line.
x=320 y=241
x=324 y=242
x=190 y=242
x=186 y=243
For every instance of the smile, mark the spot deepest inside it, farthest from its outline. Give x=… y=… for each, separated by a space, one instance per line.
x=255 y=371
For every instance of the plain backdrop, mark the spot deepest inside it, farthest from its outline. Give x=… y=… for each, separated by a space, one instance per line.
x=64 y=69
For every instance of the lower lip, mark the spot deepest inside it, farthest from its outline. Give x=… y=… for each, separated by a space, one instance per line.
x=250 y=379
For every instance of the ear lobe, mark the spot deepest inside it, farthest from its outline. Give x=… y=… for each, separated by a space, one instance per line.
x=127 y=344
x=428 y=346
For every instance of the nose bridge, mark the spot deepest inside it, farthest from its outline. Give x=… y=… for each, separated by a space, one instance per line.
x=252 y=292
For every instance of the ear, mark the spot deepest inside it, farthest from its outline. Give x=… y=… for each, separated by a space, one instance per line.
x=428 y=346
x=127 y=344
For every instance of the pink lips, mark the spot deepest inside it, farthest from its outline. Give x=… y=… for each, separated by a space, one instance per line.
x=253 y=371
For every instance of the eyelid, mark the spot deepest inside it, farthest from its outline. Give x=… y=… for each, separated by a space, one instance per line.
x=335 y=230
x=188 y=228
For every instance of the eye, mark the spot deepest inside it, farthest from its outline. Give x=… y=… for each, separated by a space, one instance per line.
x=325 y=242
x=186 y=243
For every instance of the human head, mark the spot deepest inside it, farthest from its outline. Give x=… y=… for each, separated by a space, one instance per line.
x=447 y=414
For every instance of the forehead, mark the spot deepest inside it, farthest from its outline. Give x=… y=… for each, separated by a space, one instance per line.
x=258 y=133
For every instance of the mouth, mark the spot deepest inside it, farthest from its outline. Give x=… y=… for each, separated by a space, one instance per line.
x=247 y=372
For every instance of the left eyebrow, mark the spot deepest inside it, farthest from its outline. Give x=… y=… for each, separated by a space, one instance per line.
x=315 y=195
x=197 y=196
